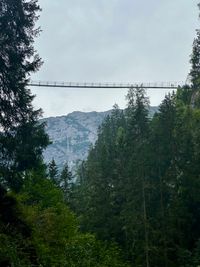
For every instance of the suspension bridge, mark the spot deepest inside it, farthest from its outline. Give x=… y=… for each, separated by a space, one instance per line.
x=145 y=85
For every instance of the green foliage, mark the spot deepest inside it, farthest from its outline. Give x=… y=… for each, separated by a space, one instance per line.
x=195 y=62
x=53 y=172
x=22 y=138
x=38 y=229
x=195 y=71
x=85 y=251
x=65 y=182
x=39 y=191
x=140 y=185
x=15 y=234
x=10 y=252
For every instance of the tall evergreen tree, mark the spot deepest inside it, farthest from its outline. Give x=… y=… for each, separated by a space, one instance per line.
x=65 y=182
x=195 y=70
x=53 y=172
x=22 y=138
x=195 y=62
x=162 y=165
x=135 y=209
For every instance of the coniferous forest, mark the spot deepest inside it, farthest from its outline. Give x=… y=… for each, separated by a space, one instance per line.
x=135 y=201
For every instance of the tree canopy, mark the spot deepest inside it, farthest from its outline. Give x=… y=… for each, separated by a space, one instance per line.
x=22 y=137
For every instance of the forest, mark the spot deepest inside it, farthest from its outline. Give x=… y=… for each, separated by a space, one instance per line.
x=135 y=201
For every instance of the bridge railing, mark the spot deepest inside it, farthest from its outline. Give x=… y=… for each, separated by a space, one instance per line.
x=161 y=85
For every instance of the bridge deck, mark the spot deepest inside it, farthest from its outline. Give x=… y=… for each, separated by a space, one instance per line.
x=150 y=85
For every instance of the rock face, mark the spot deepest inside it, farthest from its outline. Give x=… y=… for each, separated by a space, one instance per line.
x=72 y=135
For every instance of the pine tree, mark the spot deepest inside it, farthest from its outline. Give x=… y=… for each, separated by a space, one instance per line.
x=22 y=138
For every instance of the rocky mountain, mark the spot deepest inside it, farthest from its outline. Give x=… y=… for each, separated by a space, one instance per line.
x=72 y=135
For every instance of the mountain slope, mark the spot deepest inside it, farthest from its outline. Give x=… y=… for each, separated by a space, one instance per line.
x=72 y=135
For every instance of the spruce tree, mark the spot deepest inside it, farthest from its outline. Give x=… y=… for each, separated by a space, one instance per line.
x=65 y=181
x=22 y=138
x=136 y=206
x=162 y=161
x=195 y=62
x=53 y=172
x=195 y=70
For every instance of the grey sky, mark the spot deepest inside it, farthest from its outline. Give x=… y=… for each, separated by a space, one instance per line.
x=111 y=41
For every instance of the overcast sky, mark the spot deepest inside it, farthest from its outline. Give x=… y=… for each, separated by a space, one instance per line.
x=111 y=41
